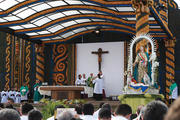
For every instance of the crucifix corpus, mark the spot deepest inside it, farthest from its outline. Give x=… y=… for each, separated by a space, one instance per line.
x=99 y=53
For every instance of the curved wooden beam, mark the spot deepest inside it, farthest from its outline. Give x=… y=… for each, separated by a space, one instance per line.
x=18 y=6
x=70 y=28
x=30 y=2
x=110 y=3
x=65 y=8
x=89 y=31
x=73 y=17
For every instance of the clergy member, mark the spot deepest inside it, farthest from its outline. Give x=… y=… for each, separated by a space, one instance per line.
x=79 y=80
x=4 y=96
x=98 y=87
x=18 y=96
x=173 y=94
x=24 y=90
x=89 y=80
x=11 y=94
x=84 y=80
x=37 y=96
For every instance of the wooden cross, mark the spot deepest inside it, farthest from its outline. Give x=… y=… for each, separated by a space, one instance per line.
x=99 y=53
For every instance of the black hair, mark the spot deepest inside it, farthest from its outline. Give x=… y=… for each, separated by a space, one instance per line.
x=9 y=114
x=88 y=109
x=104 y=113
x=133 y=116
x=10 y=99
x=101 y=104
x=1 y=105
x=107 y=106
x=123 y=109
x=26 y=107
x=155 y=111
x=9 y=106
x=78 y=109
x=99 y=76
x=34 y=115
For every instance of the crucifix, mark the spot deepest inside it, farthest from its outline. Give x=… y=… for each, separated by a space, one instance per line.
x=99 y=53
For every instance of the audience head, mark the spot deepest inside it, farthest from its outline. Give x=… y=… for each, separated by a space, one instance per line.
x=1 y=106
x=9 y=114
x=10 y=101
x=174 y=111
x=9 y=106
x=101 y=104
x=133 y=116
x=107 y=106
x=35 y=115
x=25 y=108
x=155 y=110
x=123 y=110
x=66 y=115
x=78 y=109
x=88 y=109
x=104 y=114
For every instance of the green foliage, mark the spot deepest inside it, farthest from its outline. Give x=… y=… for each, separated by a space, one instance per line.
x=48 y=108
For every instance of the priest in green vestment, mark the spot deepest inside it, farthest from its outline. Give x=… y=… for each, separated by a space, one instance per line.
x=173 y=94
x=24 y=90
x=37 y=96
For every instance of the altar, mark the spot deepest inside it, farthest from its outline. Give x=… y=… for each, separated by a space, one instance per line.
x=65 y=92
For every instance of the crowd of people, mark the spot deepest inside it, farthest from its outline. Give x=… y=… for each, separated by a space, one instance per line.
x=155 y=110
x=15 y=95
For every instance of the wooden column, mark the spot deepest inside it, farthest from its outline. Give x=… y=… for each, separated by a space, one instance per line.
x=40 y=62
x=170 y=65
x=142 y=18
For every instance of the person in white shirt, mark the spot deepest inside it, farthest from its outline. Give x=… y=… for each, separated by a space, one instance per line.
x=98 y=87
x=88 y=110
x=84 y=80
x=18 y=97
x=173 y=94
x=24 y=109
x=4 y=96
x=79 y=80
x=11 y=94
x=122 y=112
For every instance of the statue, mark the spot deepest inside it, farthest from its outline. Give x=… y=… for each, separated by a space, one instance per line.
x=142 y=66
x=140 y=72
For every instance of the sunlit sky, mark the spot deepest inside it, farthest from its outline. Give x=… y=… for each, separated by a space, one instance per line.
x=178 y=2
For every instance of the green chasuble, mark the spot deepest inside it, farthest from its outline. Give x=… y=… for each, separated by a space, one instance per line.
x=37 y=95
x=89 y=82
x=172 y=88
x=23 y=90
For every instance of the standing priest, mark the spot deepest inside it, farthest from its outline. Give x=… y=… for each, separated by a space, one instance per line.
x=98 y=87
x=37 y=95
